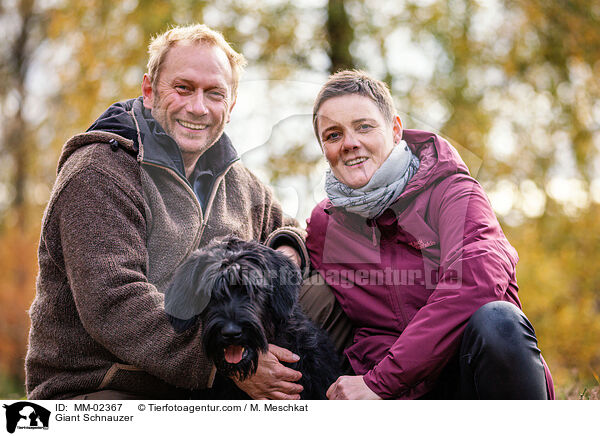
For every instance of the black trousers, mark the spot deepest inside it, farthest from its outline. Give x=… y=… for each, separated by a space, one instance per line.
x=498 y=357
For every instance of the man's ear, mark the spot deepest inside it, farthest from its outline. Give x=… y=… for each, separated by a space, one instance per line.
x=233 y=101
x=397 y=128
x=147 y=92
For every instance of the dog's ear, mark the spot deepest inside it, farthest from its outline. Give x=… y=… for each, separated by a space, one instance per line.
x=186 y=297
x=286 y=283
x=181 y=325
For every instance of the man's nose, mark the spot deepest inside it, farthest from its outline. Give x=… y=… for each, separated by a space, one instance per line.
x=196 y=104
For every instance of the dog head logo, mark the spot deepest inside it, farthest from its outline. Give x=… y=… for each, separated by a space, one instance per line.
x=243 y=292
x=26 y=415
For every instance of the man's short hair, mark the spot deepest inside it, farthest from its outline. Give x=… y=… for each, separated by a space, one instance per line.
x=196 y=33
x=355 y=82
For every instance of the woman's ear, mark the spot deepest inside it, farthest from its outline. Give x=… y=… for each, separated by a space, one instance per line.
x=397 y=128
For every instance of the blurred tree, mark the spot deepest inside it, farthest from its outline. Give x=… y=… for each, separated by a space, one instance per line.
x=25 y=30
x=340 y=35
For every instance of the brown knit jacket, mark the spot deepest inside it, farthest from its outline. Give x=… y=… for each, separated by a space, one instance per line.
x=114 y=231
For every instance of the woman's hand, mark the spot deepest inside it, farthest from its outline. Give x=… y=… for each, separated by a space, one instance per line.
x=351 y=388
x=272 y=380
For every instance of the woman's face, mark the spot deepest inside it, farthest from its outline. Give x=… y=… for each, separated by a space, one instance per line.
x=356 y=139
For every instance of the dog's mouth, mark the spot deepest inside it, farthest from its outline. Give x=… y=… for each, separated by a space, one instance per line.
x=234 y=354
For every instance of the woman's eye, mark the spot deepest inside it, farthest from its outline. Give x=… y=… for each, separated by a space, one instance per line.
x=332 y=136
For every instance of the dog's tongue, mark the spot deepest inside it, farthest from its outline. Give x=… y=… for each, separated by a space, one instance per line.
x=234 y=353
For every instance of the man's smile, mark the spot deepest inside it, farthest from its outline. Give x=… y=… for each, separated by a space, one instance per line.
x=192 y=126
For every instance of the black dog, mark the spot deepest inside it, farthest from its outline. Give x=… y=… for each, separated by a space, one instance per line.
x=246 y=296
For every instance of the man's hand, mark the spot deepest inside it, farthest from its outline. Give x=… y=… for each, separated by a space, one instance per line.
x=272 y=380
x=351 y=388
x=290 y=252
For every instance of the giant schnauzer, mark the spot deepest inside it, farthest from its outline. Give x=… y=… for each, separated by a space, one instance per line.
x=246 y=297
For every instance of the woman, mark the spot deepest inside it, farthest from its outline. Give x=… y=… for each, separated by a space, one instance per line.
x=415 y=256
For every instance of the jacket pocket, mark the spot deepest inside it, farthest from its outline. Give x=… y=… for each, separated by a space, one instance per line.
x=112 y=373
x=129 y=378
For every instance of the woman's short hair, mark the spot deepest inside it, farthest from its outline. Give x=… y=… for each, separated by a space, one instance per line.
x=355 y=82
x=196 y=33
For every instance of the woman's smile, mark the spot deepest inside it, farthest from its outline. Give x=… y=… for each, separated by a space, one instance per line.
x=355 y=162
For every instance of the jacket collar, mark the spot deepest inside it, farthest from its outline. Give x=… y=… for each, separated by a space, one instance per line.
x=438 y=160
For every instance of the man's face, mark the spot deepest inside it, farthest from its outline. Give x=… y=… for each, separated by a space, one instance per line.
x=192 y=100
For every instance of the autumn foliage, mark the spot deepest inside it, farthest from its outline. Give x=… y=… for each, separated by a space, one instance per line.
x=18 y=269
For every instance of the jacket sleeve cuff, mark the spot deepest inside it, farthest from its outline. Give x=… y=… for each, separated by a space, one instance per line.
x=373 y=384
x=295 y=238
x=377 y=383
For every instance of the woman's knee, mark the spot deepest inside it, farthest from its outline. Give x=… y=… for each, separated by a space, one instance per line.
x=499 y=343
x=500 y=326
x=497 y=316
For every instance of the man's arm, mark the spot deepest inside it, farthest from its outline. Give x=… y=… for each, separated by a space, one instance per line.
x=103 y=238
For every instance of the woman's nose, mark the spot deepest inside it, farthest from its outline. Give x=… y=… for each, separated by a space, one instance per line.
x=349 y=142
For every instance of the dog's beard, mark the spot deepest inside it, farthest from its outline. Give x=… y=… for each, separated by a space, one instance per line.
x=238 y=357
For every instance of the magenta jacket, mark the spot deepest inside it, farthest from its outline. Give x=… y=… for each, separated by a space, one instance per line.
x=411 y=279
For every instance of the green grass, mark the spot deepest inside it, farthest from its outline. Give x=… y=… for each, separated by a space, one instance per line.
x=578 y=392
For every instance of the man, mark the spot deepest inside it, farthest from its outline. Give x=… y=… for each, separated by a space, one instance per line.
x=153 y=179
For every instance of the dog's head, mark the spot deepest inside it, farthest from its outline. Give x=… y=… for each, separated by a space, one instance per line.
x=243 y=292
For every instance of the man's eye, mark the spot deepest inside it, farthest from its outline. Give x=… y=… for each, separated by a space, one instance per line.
x=218 y=95
x=365 y=126
x=182 y=89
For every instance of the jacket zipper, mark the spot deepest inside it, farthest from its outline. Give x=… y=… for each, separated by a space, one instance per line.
x=394 y=290
x=211 y=197
x=189 y=190
x=397 y=288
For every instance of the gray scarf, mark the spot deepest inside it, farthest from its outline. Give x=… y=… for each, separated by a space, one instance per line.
x=383 y=189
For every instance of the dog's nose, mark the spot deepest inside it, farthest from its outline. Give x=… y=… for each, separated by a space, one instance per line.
x=231 y=330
